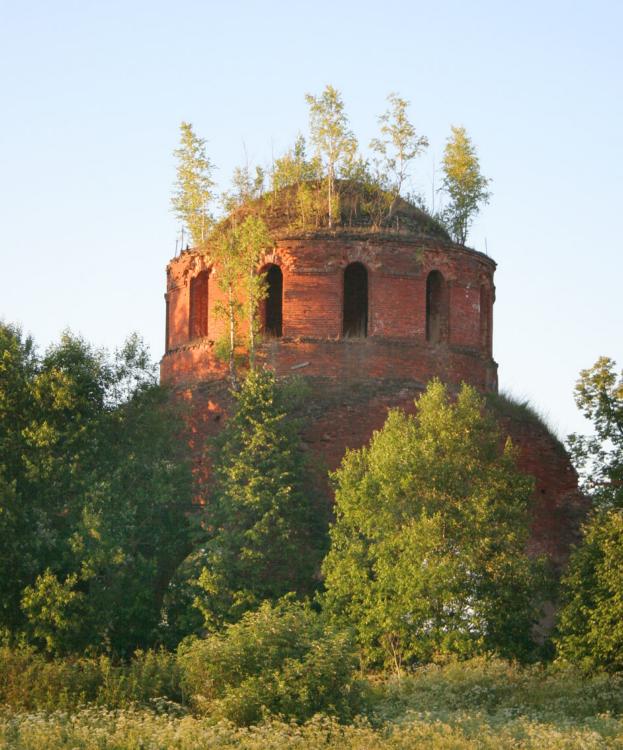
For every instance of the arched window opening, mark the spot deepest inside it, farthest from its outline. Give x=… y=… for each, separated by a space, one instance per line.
x=167 y=328
x=198 y=312
x=436 y=308
x=272 y=313
x=355 y=319
x=485 y=319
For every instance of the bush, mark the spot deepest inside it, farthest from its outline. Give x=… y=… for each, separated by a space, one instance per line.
x=428 y=549
x=29 y=681
x=590 y=625
x=281 y=659
x=547 y=693
x=269 y=535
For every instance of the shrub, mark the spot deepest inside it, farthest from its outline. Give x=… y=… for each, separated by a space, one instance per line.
x=280 y=659
x=269 y=536
x=590 y=626
x=29 y=681
x=428 y=549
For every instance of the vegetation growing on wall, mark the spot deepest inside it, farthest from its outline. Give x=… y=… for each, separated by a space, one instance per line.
x=339 y=185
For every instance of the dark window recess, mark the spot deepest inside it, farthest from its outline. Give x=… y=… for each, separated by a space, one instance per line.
x=436 y=308
x=166 y=325
x=198 y=313
x=273 y=304
x=485 y=319
x=355 y=320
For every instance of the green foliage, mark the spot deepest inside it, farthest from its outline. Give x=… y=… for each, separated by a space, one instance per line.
x=281 y=659
x=254 y=240
x=268 y=534
x=338 y=185
x=492 y=685
x=296 y=187
x=294 y=167
x=193 y=187
x=398 y=146
x=30 y=682
x=56 y=611
x=476 y=705
x=428 y=549
x=245 y=188
x=335 y=143
x=465 y=185
x=590 y=627
x=237 y=249
x=225 y=251
x=94 y=512
x=599 y=457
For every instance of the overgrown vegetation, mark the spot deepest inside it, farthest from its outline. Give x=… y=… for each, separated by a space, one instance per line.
x=95 y=493
x=283 y=660
x=483 y=703
x=521 y=410
x=428 y=549
x=590 y=629
x=339 y=185
x=103 y=552
x=268 y=527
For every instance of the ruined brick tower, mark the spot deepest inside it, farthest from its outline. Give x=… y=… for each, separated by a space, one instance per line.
x=367 y=318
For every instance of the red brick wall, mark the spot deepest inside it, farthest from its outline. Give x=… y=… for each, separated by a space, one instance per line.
x=342 y=415
x=313 y=270
x=355 y=381
x=344 y=360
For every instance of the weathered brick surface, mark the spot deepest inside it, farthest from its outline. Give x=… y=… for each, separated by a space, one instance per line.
x=355 y=381
x=313 y=271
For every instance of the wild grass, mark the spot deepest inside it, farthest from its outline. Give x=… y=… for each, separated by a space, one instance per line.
x=30 y=682
x=127 y=729
x=482 y=703
x=506 y=405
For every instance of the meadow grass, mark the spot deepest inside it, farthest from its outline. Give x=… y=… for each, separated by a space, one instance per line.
x=482 y=703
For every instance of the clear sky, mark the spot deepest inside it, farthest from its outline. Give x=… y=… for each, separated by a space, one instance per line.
x=92 y=94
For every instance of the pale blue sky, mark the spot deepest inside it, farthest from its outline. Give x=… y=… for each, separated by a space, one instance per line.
x=92 y=94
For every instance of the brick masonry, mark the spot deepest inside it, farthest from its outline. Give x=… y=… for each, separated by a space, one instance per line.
x=354 y=381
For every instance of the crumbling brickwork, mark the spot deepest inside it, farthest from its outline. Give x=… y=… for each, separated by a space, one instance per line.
x=428 y=312
x=395 y=343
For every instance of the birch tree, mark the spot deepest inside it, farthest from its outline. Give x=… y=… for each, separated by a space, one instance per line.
x=331 y=136
x=465 y=185
x=254 y=239
x=192 y=193
x=397 y=147
x=229 y=267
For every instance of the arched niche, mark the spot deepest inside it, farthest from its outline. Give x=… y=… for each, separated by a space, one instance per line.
x=436 y=308
x=272 y=307
x=198 y=306
x=486 y=316
x=355 y=305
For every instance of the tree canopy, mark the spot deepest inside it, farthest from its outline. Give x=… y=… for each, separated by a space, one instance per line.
x=427 y=551
x=466 y=187
x=339 y=184
x=193 y=186
x=590 y=628
x=599 y=457
x=95 y=494
x=334 y=141
x=397 y=147
x=268 y=529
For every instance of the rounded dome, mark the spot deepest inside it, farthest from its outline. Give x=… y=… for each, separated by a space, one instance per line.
x=299 y=210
